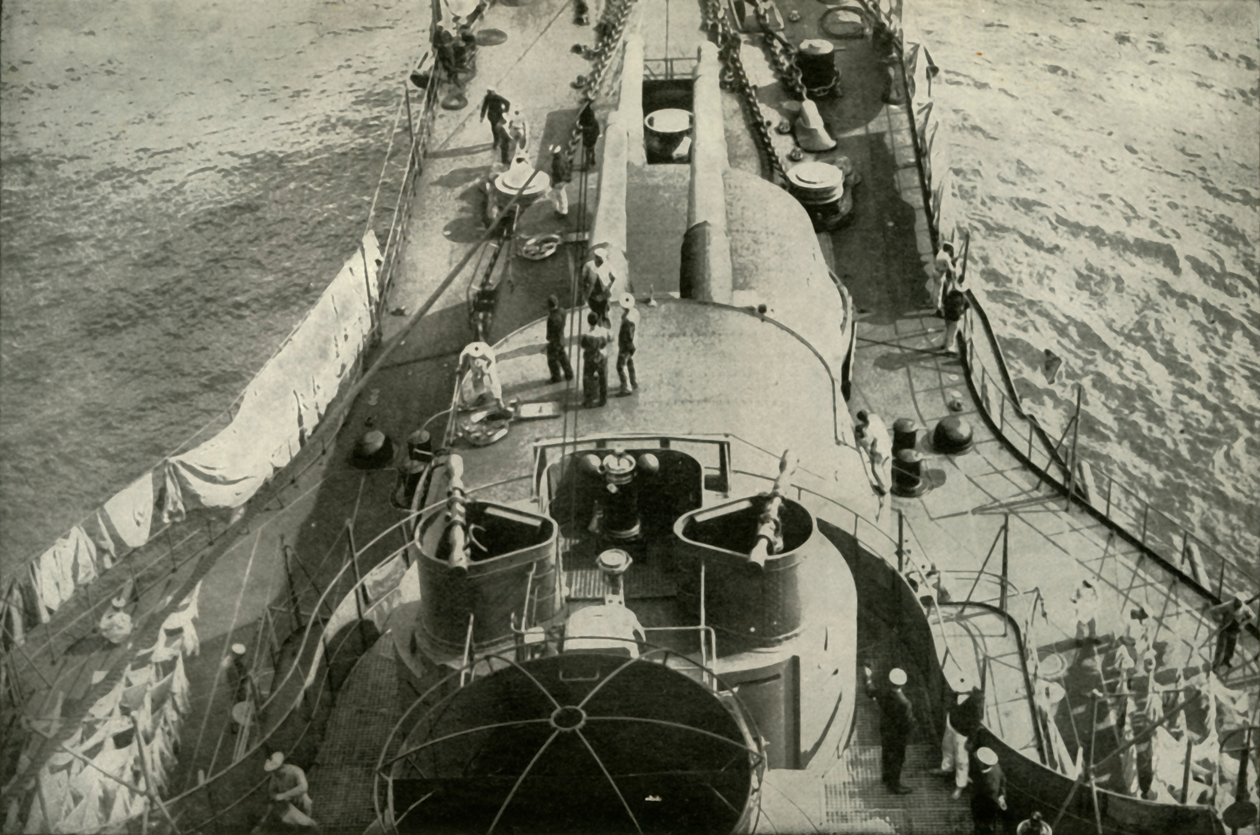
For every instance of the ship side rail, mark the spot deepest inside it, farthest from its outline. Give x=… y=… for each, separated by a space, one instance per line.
x=417 y=135
x=301 y=676
x=1125 y=508
x=307 y=679
x=1206 y=568
x=900 y=553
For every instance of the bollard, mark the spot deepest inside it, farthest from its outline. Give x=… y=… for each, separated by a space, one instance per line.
x=908 y=478
x=952 y=436
x=905 y=435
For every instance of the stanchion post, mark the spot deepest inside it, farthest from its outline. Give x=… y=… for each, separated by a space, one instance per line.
x=411 y=130
x=1006 y=548
x=358 y=582
x=1071 y=462
x=901 y=541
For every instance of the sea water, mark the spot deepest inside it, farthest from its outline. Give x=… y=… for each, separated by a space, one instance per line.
x=180 y=181
x=1106 y=158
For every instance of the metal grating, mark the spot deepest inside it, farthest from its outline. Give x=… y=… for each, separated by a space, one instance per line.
x=854 y=798
x=363 y=716
x=641 y=581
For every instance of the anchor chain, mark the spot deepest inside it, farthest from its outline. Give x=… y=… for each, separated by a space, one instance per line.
x=782 y=53
x=612 y=28
x=734 y=77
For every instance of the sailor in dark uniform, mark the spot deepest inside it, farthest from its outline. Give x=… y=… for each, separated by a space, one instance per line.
x=988 y=793
x=626 y=345
x=595 y=361
x=597 y=280
x=588 y=124
x=896 y=722
x=495 y=107
x=557 y=351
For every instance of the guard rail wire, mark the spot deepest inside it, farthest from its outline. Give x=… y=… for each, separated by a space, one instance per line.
x=1172 y=549
x=390 y=257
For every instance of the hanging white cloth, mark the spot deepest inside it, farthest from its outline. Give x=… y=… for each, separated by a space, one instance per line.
x=129 y=514
x=86 y=815
x=179 y=687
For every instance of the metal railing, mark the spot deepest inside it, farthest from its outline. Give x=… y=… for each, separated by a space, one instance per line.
x=669 y=67
x=396 y=238
x=301 y=686
x=1123 y=508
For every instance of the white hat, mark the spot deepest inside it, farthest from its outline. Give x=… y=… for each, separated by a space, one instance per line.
x=120 y=601
x=277 y=759
x=626 y=301
x=238 y=649
x=897 y=677
x=987 y=757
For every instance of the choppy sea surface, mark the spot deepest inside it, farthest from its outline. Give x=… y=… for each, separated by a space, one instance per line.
x=1107 y=161
x=180 y=181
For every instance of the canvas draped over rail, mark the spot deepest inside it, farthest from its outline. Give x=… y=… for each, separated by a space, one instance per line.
x=276 y=415
x=57 y=572
x=128 y=516
x=281 y=405
x=932 y=122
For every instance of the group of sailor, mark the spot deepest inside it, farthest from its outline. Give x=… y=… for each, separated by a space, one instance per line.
x=961 y=760
x=598 y=282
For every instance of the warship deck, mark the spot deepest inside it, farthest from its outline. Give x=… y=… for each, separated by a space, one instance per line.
x=299 y=528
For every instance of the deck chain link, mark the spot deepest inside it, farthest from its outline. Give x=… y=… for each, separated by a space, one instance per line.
x=734 y=77
x=782 y=53
x=618 y=14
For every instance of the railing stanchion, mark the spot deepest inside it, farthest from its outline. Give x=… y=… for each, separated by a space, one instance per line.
x=1185 y=774
x=411 y=129
x=1006 y=544
x=1072 y=452
x=901 y=542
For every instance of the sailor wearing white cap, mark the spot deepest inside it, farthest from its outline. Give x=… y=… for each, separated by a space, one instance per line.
x=561 y=174
x=287 y=786
x=115 y=625
x=1085 y=603
x=988 y=793
x=896 y=722
x=597 y=280
x=962 y=719
x=626 y=345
